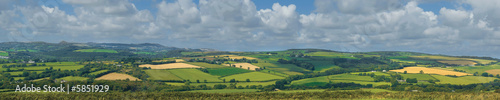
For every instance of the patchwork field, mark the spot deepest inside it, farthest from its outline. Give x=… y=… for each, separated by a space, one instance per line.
x=418 y=76
x=463 y=80
x=194 y=74
x=117 y=76
x=226 y=71
x=346 y=78
x=247 y=66
x=288 y=69
x=73 y=78
x=206 y=65
x=253 y=76
x=482 y=61
x=430 y=71
x=3 y=53
x=458 y=62
x=164 y=75
x=493 y=71
x=170 y=66
x=235 y=57
x=226 y=91
x=97 y=50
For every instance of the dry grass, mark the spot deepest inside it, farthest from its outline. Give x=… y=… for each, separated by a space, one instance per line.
x=235 y=57
x=170 y=66
x=430 y=71
x=493 y=71
x=117 y=76
x=244 y=66
x=458 y=62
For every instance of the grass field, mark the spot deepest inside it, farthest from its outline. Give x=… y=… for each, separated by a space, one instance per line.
x=288 y=69
x=458 y=62
x=234 y=57
x=21 y=72
x=482 y=61
x=226 y=71
x=253 y=76
x=17 y=78
x=430 y=71
x=376 y=73
x=317 y=81
x=206 y=65
x=145 y=53
x=226 y=91
x=227 y=83
x=463 y=80
x=170 y=66
x=418 y=76
x=194 y=74
x=321 y=66
x=98 y=72
x=479 y=69
x=161 y=75
x=75 y=67
x=247 y=66
x=73 y=78
x=346 y=78
x=295 y=91
x=97 y=50
x=3 y=53
x=117 y=76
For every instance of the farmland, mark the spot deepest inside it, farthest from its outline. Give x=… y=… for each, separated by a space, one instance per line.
x=418 y=76
x=161 y=75
x=234 y=57
x=462 y=80
x=96 y=50
x=73 y=78
x=117 y=76
x=253 y=76
x=226 y=71
x=226 y=91
x=170 y=66
x=194 y=74
x=247 y=66
x=98 y=72
x=458 y=62
x=206 y=65
x=356 y=79
x=429 y=71
x=55 y=67
x=493 y=71
x=482 y=61
x=244 y=84
x=3 y=53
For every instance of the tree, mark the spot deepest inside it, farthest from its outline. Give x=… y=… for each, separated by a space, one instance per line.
x=197 y=81
x=411 y=80
x=224 y=80
x=219 y=86
x=484 y=74
x=421 y=72
x=248 y=80
x=405 y=72
x=241 y=66
x=205 y=81
x=232 y=80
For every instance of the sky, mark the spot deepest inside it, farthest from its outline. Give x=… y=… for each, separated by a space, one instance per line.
x=451 y=27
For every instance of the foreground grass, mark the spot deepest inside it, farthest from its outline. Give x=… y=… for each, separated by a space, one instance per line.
x=256 y=95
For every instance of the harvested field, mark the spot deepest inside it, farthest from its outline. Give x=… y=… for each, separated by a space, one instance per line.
x=235 y=57
x=244 y=66
x=170 y=66
x=117 y=76
x=493 y=71
x=430 y=71
x=458 y=62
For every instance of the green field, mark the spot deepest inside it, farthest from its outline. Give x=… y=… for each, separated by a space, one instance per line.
x=244 y=84
x=321 y=66
x=376 y=73
x=351 y=77
x=97 y=50
x=3 y=53
x=226 y=91
x=226 y=71
x=17 y=78
x=162 y=75
x=418 y=76
x=73 y=78
x=253 y=76
x=295 y=91
x=98 y=72
x=317 y=81
x=338 y=78
x=288 y=69
x=194 y=74
x=472 y=69
x=55 y=67
x=206 y=65
x=463 y=80
x=21 y=72
x=145 y=53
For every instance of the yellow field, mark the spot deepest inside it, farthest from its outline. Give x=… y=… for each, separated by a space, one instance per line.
x=170 y=66
x=244 y=66
x=458 y=62
x=176 y=60
x=117 y=76
x=493 y=71
x=235 y=57
x=429 y=71
x=482 y=61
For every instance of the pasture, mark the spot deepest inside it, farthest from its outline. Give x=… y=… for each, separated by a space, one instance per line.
x=347 y=78
x=73 y=78
x=161 y=75
x=376 y=73
x=318 y=81
x=170 y=66
x=21 y=72
x=479 y=69
x=234 y=57
x=482 y=61
x=418 y=76
x=463 y=80
x=75 y=67
x=321 y=66
x=429 y=71
x=226 y=91
x=253 y=76
x=194 y=74
x=98 y=72
x=458 y=62
x=244 y=84
x=117 y=76
x=247 y=66
x=206 y=65
x=3 y=53
x=288 y=69
x=96 y=50
x=226 y=71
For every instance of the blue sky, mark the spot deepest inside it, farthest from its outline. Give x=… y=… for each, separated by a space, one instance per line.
x=454 y=27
